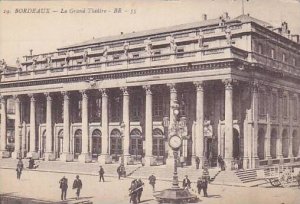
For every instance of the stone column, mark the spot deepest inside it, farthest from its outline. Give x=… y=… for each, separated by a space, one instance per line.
x=173 y=98
x=105 y=127
x=280 y=121
x=66 y=153
x=85 y=156
x=148 y=125
x=126 y=122
x=3 y=136
x=199 y=136
x=49 y=155
x=254 y=136
x=268 y=139
x=228 y=123
x=17 y=151
x=32 y=150
x=291 y=118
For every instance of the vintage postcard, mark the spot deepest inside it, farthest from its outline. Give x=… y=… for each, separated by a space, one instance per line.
x=162 y=101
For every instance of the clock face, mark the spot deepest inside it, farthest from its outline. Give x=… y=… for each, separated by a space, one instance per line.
x=175 y=142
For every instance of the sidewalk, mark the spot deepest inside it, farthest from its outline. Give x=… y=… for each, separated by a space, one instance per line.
x=163 y=173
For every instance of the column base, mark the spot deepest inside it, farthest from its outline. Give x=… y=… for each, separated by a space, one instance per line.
x=16 y=155
x=148 y=161
x=85 y=158
x=33 y=155
x=228 y=164
x=49 y=156
x=5 y=154
x=246 y=163
x=104 y=159
x=67 y=157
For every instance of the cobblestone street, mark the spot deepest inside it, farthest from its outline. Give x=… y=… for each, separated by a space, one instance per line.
x=45 y=186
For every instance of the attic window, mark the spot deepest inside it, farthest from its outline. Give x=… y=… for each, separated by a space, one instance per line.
x=116 y=57
x=158 y=52
x=272 y=53
x=136 y=55
x=97 y=60
x=260 y=49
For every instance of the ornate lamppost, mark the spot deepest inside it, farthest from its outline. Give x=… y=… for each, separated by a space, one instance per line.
x=175 y=194
x=123 y=172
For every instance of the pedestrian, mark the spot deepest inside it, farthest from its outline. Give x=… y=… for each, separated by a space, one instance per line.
x=31 y=163
x=139 y=189
x=119 y=171
x=133 y=192
x=19 y=169
x=101 y=174
x=64 y=187
x=205 y=174
x=77 y=184
x=186 y=183
x=197 y=160
x=205 y=185
x=152 y=180
x=199 y=184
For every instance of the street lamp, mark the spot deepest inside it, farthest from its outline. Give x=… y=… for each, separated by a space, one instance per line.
x=123 y=172
x=175 y=194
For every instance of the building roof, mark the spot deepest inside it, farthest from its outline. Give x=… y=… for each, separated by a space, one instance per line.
x=181 y=27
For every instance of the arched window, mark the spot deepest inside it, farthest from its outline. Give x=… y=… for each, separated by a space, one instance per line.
x=158 y=145
x=77 y=142
x=136 y=142
x=115 y=142
x=285 y=143
x=295 y=143
x=261 y=144
x=273 y=143
x=60 y=142
x=96 y=142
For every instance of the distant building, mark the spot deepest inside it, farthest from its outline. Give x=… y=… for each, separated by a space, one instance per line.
x=237 y=83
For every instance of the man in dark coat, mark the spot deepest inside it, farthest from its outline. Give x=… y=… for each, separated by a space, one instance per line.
x=64 y=187
x=186 y=183
x=133 y=191
x=19 y=168
x=199 y=185
x=197 y=159
x=152 y=180
x=101 y=174
x=139 y=189
x=205 y=185
x=77 y=184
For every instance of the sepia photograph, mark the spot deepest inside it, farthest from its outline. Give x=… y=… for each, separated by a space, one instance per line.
x=139 y=101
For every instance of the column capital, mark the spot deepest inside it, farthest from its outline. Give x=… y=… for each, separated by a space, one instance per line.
x=32 y=97
x=124 y=90
x=147 y=89
x=3 y=98
x=228 y=83
x=84 y=94
x=280 y=92
x=199 y=85
x=16 y=98
x=103 y=92
x=65 y=95
x=172 y=87
x=48 y=96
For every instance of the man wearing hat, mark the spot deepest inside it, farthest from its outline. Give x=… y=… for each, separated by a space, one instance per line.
x=186 y=183
x=77 y=184
x=101 y=174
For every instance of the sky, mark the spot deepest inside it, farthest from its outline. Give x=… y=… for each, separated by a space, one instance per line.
x=20 y=32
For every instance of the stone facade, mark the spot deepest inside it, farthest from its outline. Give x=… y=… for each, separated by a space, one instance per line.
x=236 y=82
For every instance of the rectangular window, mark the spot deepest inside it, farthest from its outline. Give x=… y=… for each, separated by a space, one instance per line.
x=260 y=49
x=285 y=107
x=158 y=52
x=284 y=57
x=274 y=104
x=295 y=115
x=96 y=60
x=158 y=106
x=262 y=103
x=135 y=55
x=272 y=53
x=116 y=57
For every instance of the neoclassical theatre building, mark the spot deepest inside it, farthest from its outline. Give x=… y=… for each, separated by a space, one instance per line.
x=236 y=80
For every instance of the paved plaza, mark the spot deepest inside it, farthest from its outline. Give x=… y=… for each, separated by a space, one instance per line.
x=45 y=186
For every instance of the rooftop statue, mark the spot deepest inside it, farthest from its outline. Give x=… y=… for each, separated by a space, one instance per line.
x=126 y=48
x=2 y=65
x=200 y=39
x=85 y=56
x=173 y=45
x=228 y=35
x=148 y=46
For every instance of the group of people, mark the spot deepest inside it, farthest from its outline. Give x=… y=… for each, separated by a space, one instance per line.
x=202 y=183
x=20 y=166
x=136 y=190
x=77 y=185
